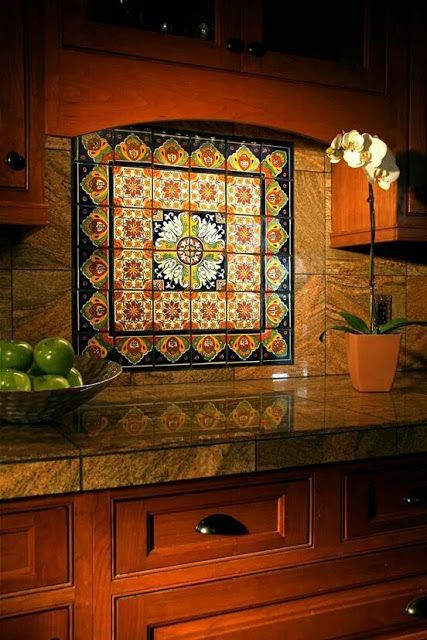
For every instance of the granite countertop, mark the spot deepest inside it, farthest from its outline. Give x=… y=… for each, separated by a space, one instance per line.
x=130 y=436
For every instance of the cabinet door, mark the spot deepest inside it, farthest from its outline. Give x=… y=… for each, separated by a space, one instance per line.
x=21 y=114
x=189 y=32
x=44 y=625
x=362 y=613
x=417 y=165
x=317 y=43
x=13 y=118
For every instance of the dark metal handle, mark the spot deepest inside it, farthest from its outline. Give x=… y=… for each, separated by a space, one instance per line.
x=417 y=607
x=235 y=45
x=15 y=161
x=257 y=49
x=417 y=496
x=220 y=524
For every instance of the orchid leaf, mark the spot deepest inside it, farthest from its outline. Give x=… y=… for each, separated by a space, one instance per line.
x=355 y=322
x=337 y=327
x=399 y=323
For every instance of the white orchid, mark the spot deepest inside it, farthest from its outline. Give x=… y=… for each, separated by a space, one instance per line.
x=370 y=153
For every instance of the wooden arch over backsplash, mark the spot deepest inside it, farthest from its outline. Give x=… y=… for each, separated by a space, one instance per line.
x=87 y=91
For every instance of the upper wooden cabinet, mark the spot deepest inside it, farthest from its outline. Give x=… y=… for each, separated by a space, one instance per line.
x=257 y=36
x=21 y=114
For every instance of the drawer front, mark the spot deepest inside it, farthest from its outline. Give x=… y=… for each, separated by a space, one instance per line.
x=362 y=613
x=45 y=625
x=388 y=500
x=34 y=549
x=167 y=531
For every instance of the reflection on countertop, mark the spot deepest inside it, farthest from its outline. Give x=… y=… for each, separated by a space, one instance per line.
x=139 y=435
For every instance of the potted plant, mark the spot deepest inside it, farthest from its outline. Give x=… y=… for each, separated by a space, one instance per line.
x=372 y=351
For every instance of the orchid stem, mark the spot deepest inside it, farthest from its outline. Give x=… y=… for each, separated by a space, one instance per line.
x=371 y=201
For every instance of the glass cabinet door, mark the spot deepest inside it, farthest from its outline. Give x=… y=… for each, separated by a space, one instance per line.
x=193 y=32
x=320 y=42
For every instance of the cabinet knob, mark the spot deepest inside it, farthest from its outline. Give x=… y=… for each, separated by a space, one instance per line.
x=235 y=45
x=416 y=497
x=15 y=161
x=257 y=49
x=417 y=607
x=220 y=524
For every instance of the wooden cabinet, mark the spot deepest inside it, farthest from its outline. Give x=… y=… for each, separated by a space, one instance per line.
x=417 y=148
x=21 y=114
x=260 y=37
x=299 y=550
x=317 y=44
x=187 y=32
x=43 y=625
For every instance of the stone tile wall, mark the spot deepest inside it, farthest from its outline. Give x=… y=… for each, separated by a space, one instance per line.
x=35 y=272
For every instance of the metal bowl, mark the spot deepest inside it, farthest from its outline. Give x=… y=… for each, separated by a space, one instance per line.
x=42 y=406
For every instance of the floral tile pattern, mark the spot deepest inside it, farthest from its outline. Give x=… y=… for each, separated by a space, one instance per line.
x=183 y=249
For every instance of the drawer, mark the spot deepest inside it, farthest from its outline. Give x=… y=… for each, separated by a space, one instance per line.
x=387 y=500
x=34 y=549
x=366 y=612
x=44 y=625
x=159 y=532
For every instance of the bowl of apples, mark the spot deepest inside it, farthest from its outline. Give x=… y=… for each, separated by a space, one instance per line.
x=45 y=382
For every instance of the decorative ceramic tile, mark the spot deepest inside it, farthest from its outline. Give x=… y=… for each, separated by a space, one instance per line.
x=94 y=269
x=92 y=187
x=276 y=162
x=171 y=310
x=243 y=157
x=243 y=310
x=244 y=272
x=276 y=235
x=170 y=189
x=209 y=348
x=135 y=350
x=93 y=311
x=172 y=349
x=132 y=269
x=133 y=228
x=208 y=153
x=133 y=187
x=208 y=310
x=93 y=227
x=133 y=310
x=207 y=192
x=276 y=198
x=244 y=347
x=171 y=150
x=183 y=249
x=96 y=147
x=243 y=234
x=133 y=146
x=276 y=272
x=243 y=195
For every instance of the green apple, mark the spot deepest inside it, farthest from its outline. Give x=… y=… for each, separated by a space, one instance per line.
x=75 y=378
x=15 y=354
x=54 y=355
x=49 y=382
x=11 y=380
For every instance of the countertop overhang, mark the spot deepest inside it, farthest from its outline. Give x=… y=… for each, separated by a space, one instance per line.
x=139 y=435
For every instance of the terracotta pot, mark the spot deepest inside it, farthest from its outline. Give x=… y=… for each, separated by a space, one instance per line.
x=372 y=360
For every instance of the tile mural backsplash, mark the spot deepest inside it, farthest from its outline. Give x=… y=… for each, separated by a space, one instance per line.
x=183 y=249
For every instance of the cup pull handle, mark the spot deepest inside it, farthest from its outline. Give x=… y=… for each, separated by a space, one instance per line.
x=416 y=497
x=220 y=524
x=417 y=607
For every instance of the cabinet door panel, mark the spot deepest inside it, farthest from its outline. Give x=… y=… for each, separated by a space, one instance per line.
x=314 y=45
x=45 y=625
x=363 y=612
x=84 y=26
x=13 y=117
